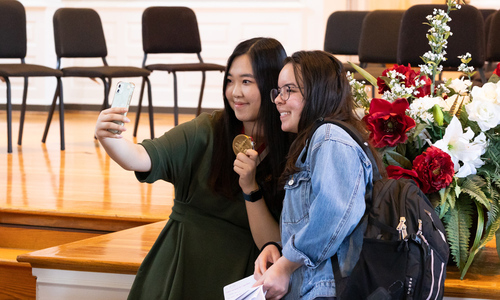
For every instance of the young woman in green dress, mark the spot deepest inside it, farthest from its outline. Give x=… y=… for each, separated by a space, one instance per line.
x=213 y=235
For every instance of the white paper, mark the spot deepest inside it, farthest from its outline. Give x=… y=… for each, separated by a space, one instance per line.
x=243 y=290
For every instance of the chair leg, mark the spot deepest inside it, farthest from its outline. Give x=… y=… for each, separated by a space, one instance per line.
x=483 y=76
x=23 y=112
x=9 y=116
x=198 y=110
x=139 y=107
x=176 y=108
x=51 y=113
x=110 y=84
x=150 y=103
x=61 y=113
x=105 y=101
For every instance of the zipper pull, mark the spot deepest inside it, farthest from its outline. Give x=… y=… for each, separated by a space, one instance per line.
x=420 y=234
x=402 y=228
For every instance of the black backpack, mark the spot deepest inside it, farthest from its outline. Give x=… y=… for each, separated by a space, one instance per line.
x=405 y=251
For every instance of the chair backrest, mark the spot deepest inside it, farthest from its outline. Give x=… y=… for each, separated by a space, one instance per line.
x=169 y=29
x=343 y=30
x=12 y=30
x=78 y=32
x=379 y=36
x=493 y=42
x=466 y=25
x=486 y=12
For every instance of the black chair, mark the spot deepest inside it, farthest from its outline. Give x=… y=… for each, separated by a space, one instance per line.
x=13 y=46
x=490 y=58
x=78 y=33
x=378 y=43
x=169 y=30
x=343 y=31
x=493 y=42
x=467 y=26
x=486 y=12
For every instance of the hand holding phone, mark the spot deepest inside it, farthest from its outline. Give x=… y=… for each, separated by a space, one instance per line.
x=122 y=97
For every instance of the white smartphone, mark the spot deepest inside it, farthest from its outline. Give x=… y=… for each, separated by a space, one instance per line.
x=122 y=97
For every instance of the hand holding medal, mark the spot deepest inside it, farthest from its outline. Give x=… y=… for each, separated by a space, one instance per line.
x=242 y=143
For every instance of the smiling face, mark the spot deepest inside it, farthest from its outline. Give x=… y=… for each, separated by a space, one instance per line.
x=291 y=109
x=242 y=92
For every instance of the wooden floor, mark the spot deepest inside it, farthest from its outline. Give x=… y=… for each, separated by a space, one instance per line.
x=80 y=181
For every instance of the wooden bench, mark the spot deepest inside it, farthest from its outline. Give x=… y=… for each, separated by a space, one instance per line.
x=16 y=280
x=108 y=263
x=102 y=267
x=25 y=231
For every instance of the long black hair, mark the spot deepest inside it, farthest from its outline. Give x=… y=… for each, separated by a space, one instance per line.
x=267 y=56
x=327 y=94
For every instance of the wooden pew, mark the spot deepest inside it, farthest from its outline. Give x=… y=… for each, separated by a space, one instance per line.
x=116 y=257
x=102 y=267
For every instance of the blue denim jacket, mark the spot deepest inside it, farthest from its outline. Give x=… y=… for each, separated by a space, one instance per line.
x=323 y=204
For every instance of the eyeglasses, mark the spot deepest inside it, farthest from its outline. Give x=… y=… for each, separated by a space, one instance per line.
x=284 y=92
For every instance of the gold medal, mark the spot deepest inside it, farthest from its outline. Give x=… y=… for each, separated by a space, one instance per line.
x=242 y=143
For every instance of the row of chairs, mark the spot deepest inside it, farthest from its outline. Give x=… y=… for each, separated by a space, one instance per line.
x=78 y=33
x=383 y=37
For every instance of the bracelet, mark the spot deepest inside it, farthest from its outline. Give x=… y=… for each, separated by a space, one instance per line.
x=253 y=196
x=274 y=244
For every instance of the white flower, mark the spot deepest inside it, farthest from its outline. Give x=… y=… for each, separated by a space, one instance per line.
x=489 y=92
x=457 y=144
x=359 y=112
x=471 y=161
x=485 y=113
x=419 y=108
x=460 y=86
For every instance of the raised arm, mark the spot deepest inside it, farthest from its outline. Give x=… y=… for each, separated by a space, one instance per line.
x=262 y=224
x=128 y=155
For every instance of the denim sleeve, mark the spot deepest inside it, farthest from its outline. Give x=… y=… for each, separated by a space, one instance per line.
x=338 y=181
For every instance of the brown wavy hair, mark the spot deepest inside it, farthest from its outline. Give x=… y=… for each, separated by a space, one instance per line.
x=327 y=94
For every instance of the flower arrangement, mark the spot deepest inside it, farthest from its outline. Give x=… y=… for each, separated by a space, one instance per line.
x=446 y=137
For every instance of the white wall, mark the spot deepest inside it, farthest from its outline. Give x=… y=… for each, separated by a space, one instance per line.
x=495 y=4
x=298 y=24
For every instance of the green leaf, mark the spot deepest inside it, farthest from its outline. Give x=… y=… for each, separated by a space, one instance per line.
x=386 y=79
x=457 y=224
x=444 y=193
x=498 y=242
x=396 y=159
x=493 y=223
x=372 y=80
x=418 y=129
x=472 y=186
x=494 y=78
x=476 y=246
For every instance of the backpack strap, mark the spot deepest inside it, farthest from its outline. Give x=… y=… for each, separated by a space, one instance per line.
x=341 y=281
x=353 y=132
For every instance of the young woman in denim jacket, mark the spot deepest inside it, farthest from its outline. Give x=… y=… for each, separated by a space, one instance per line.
x=325 y=180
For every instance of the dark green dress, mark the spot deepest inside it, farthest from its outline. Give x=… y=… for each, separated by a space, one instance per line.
x=207 y=242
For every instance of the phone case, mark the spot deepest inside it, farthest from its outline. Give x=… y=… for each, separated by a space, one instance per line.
x=122 y=97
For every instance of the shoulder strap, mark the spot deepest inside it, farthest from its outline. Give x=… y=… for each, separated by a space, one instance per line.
x=353 y=132
x=341 y=281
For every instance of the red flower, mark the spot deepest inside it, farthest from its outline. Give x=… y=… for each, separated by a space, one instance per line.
x=497 y=70
x=387 y=122
x=409 y=77
x=434 y=168
x=396 y=172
